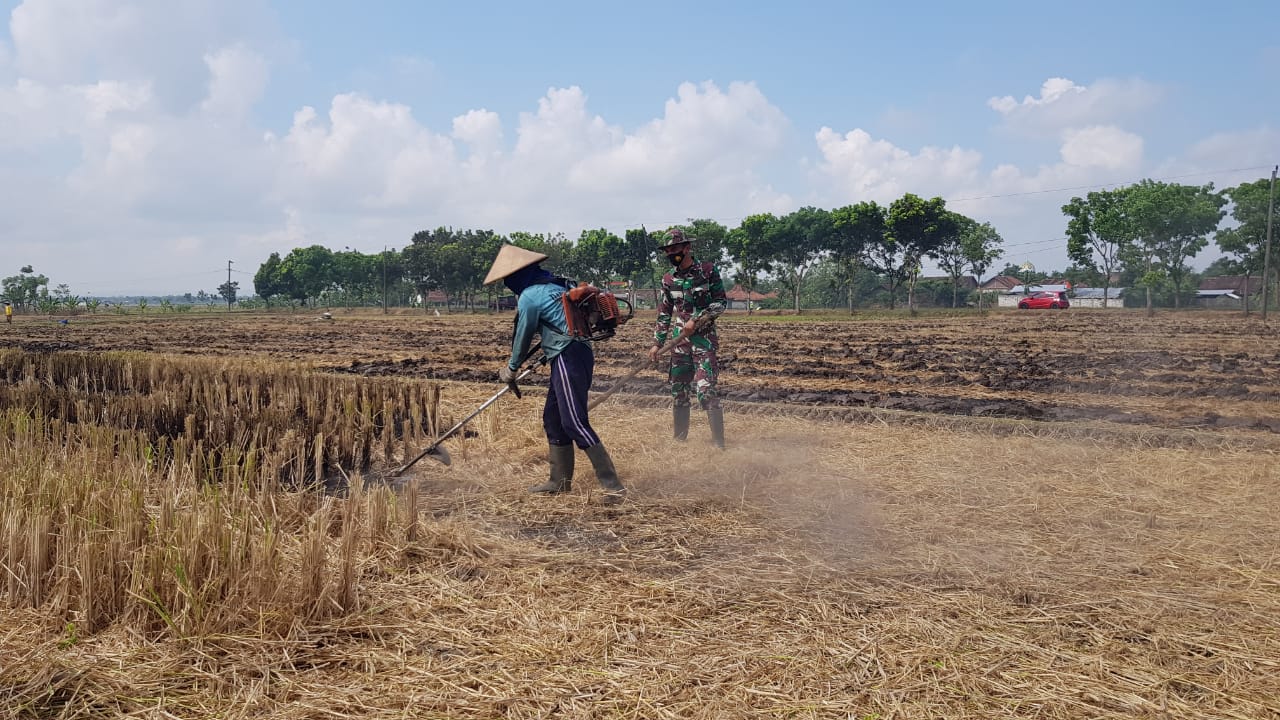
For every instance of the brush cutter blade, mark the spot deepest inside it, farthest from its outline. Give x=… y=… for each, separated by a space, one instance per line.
x=439 y=453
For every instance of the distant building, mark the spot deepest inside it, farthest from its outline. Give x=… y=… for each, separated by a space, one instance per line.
x=1238 y=284
x=433 y=297
x=966 y=282
x=1001 y=283
x=738 y=297
x=1227 y=291
x=1091 y=297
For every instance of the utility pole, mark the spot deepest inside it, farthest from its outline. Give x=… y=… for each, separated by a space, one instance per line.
x=1266 y=254
x=228 y=286
x=384 y=279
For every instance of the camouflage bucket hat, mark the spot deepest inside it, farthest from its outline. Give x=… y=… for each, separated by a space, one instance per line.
x=672 y=237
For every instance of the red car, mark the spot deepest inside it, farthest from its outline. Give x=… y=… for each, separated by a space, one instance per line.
x=1045 y=300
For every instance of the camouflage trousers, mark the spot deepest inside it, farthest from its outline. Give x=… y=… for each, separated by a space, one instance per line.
x=694 y=367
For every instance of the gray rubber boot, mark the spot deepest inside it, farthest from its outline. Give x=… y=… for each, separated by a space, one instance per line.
x=561 y=480
x=614 y=493
x=716 y=416
x=681 y=419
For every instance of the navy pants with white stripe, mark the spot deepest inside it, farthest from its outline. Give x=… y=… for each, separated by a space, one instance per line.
x=564 y=417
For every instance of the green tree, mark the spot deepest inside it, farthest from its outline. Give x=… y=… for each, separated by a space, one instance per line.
x=859 y=230
x=25 y=288
x=949 y=252
x=423 y=260
x=1247 y=241
x=227 y=291
x=637 y=260
x=267 y=282
x=1100 y=233
x=600 y=253
x=480 y=247
x=307 y=273
x=355 y=275
x=1171 y=224
x=391 y=274
x=980 y=244
x=749 y=246
x=916 y=228
x=797 y=243
x=562 y=255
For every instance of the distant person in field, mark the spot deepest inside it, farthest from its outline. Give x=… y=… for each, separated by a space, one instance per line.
x=539 y=310
x=8 y=313
x=692 y=298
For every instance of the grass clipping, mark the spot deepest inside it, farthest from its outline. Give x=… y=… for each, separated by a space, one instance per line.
x=812 y=570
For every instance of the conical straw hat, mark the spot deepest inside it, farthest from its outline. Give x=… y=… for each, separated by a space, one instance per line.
x=510 y=259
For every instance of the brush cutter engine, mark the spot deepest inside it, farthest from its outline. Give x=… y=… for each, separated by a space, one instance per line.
x=592 y=313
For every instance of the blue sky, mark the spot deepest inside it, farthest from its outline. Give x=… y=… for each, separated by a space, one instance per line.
x=144 y=143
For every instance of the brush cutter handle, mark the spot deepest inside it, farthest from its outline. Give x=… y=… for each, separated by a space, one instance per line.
x=667 y=347
x=635 y=370
x=541 y=360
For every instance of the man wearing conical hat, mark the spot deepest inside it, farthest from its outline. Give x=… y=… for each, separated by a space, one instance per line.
x=539 y=310
x=692 y=298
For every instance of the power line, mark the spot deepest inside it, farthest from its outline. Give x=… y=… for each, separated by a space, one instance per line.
x=1033 y=242
x=1102 y=185
x=114 y=279
x=726 y=220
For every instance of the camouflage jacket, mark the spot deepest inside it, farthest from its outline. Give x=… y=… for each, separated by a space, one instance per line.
x=696 y=293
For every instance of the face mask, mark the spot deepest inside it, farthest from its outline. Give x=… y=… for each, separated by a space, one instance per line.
x=676 y=258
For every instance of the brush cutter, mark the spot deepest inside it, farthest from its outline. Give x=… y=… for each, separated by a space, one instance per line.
x=437 y=452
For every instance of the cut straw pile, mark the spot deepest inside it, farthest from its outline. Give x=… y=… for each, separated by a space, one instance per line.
x=812 y=570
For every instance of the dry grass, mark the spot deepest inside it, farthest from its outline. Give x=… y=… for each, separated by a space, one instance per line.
x=813 y=570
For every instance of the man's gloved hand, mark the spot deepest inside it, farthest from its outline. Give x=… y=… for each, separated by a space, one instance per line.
x=506 y=375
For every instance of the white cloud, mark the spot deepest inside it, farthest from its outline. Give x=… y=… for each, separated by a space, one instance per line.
x=1051 y=91
x=237 y=77
x=856 y=167
x=863 y=168
x=703 y=130
x=1235 y=149
x=1102 y=146
x=369 y=154
x=32 y=113
x=159 y=42
x=567 y=167
x=1063 y=104
x=130 y=153
x=481 y=131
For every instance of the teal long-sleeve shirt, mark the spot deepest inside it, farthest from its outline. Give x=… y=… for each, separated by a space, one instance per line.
x=540 y=310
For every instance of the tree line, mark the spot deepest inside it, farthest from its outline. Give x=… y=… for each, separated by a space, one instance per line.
x=888 y=242
x=1151 y=230
x=1145 y=234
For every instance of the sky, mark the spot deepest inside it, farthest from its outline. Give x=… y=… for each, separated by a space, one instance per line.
x=144 y=144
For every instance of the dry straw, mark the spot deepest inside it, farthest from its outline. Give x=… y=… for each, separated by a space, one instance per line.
x=160 y=562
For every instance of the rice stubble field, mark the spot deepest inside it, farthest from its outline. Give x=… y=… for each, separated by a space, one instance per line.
x=1013 y=515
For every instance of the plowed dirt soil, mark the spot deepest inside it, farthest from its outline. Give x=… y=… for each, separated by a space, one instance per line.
x=1175 y=370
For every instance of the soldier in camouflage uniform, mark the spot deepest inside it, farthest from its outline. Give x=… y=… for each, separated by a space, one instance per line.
x=692 y=299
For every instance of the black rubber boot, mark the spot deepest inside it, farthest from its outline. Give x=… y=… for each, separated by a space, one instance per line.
x=561 y=480
x=681 y=418
x=716 y=416
x=614 y=493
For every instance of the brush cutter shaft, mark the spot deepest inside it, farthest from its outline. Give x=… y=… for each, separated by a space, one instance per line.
x=542 y=360
x=635 y=370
